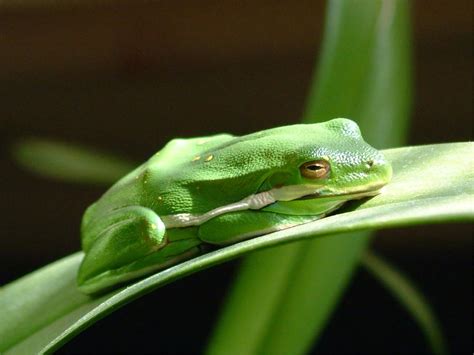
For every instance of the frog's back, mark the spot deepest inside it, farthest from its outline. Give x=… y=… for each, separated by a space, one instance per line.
x=141 y=186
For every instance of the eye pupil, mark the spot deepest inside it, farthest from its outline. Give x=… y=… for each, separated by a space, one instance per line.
x=318 y=169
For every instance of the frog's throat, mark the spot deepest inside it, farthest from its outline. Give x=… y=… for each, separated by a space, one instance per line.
x=262 y=199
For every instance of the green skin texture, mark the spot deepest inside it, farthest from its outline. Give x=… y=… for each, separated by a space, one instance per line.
x=158 y=214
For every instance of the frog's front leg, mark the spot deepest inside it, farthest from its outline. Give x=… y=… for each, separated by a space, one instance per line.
x=114 y=242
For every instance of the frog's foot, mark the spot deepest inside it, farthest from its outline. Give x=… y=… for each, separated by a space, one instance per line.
x=120 y=238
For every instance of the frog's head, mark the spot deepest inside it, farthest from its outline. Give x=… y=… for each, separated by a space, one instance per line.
x=329 y=160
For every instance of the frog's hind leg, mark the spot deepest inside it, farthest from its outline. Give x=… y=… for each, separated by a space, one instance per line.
x=115 y=240
x=237 y=226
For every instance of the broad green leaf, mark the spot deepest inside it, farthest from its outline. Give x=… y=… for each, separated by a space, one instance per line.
x=80 y=156
x=418 y=194
x=69 y=162
x=363 y=74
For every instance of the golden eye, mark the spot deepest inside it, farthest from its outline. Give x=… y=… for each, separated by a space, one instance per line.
x=318 y=169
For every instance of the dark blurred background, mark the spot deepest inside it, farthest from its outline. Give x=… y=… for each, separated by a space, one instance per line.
x=127 y=76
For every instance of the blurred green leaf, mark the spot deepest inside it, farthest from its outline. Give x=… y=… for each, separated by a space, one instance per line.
x=68 y=162
x=407 y=294
x=363 y=74
x=43 y=310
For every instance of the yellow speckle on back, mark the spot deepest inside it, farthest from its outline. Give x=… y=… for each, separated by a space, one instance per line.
x=209 y=158
x=160 y=198
x=196 y=158
x=153 y=226
x=143 y=176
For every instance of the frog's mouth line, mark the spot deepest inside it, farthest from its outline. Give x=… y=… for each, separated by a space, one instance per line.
x=304 y=192
x=354 y=195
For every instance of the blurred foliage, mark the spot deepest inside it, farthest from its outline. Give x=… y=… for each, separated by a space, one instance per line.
x=68 y=162
x=364 y=74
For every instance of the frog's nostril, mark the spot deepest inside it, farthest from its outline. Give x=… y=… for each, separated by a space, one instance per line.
x=369 y=163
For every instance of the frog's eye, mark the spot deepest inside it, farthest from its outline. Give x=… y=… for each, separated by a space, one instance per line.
x=318 y=169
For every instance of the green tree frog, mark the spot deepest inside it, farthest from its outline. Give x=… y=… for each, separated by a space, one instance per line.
x=222 y=189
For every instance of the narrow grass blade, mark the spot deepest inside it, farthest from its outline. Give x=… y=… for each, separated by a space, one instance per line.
x=408 y=295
